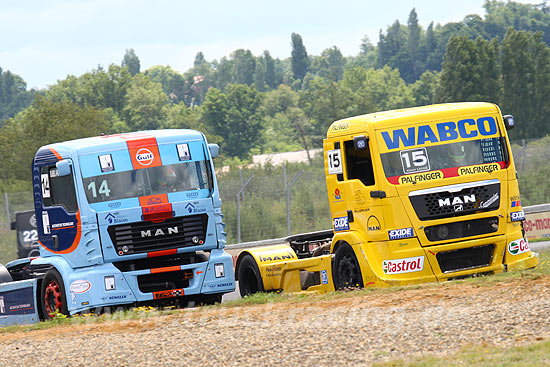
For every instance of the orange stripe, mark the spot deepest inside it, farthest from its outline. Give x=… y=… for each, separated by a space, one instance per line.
x=162 y=253
x=165 y=269
x=57 y=155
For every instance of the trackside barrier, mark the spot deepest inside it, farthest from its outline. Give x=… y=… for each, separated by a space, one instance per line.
x=537 y=221
x=18 y=302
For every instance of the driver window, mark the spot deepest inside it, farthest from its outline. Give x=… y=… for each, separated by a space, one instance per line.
x=58 y=191
x=359 y=163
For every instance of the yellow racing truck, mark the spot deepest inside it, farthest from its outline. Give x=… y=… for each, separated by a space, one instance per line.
x=416 y=195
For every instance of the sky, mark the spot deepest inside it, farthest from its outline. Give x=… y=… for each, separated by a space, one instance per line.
x=44 y=41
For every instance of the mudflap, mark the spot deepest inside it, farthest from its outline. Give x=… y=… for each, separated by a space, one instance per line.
x=18 y=302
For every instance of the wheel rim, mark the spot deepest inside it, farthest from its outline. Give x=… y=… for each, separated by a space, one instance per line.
x=52 y=298
x=348 y=271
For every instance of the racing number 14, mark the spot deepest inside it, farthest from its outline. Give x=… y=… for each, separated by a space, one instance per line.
x=103 y=188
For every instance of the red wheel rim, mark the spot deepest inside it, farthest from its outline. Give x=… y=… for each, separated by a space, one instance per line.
x=52 y=298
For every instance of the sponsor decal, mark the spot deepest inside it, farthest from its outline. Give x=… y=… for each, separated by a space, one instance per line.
x=337 y=194
x=373 y=224
x=168 y=294
x=106 y=163
x=340 y=223
x=46 y=222
x=360 y=198
x=518 y=246
x=324 y=277
x=339 y=126
x=183 y=152
x=396 y=234
x=85 y=303
x=62 y=225
x=421 y=177
x=515 y=203
x=488 y=202
x=112 y=218
x=17 y=302
x=457 y=200
x=276 y=255
x=114 y=205
x=407 y=265
x=443 y=131
x=123 y=296
x=144 y=157
x=517 y=216
x=482 y=168
x=192 y=195
x=220 y=285
x=361 y=210
x=80 y=286
x=190 y=207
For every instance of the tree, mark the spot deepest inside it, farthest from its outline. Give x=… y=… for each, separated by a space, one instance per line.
x=526 y=82
x=235 y=116
x=423 y=90
x=331 y=65
x=270 y=72
x=299 y=58
x=131 y=61
x=199 y=60
x=14 y=96
x=173 y=83
x=415 y=49
x=44 y=122
x=145 y=105
x=260 y=76
x=244 y=66
x=470 y=71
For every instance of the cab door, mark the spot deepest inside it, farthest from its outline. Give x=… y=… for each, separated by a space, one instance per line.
x=354 y=194
x=57 y=211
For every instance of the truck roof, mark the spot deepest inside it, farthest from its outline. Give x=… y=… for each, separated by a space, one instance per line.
x=116 y=142
x=406 y=116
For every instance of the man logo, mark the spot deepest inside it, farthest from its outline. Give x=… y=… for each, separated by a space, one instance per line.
x=457 y=200
x=144 y=157
x=159 y=232
x=459 y=208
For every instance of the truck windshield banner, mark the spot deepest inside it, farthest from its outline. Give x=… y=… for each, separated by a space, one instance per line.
x=440 y=150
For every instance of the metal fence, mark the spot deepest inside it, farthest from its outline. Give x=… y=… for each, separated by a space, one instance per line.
x=274 y=201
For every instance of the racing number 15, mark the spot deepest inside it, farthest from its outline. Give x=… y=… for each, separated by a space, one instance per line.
x=334 y=160
x=415 y=160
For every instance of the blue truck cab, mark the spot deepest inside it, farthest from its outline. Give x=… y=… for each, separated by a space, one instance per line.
x=125 y=219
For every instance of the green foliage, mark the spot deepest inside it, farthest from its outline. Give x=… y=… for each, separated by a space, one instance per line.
x=235 y=116
x=146 y=104
x=13 y=95
x=299 y=58
x=44 y=122
x=131 y=61
x=526 y=82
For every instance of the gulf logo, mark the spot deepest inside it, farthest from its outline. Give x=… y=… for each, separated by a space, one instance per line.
x=144 y=157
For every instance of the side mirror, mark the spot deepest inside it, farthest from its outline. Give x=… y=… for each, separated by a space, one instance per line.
x=63 y=168
x=508 y=121
x=214 y=150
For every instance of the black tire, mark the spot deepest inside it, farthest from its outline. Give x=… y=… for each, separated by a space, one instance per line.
x=346 y=271
x=209 y=299
x=52 y=295
x=250 y=280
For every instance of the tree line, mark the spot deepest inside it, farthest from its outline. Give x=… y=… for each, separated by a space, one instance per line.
x=259 y=104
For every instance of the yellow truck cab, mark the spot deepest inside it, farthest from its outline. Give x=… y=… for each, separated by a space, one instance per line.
x=416 y=195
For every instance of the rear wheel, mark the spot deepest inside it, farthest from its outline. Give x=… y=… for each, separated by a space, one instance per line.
x=52 y=295
x=345 y=269
x=250 y=281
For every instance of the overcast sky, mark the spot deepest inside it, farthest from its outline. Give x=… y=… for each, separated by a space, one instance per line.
x=44 y=41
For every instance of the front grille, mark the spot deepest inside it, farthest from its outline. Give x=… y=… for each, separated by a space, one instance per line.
x=164 y=281
x=147 y=236
x=447 y=203
x=463 y=259
x=467 y=228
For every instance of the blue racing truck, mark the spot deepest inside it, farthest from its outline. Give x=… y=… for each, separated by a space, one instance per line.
x=123 y=219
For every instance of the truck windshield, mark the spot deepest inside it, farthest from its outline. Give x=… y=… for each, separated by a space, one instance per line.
x=447 y=158
x=178 y=177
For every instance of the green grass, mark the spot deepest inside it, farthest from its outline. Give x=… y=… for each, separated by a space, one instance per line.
x=536 y=354
x=8 y=246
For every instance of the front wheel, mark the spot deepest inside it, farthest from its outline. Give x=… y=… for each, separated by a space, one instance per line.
x=250 y=280
x=346 y=272
x=52 y=295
